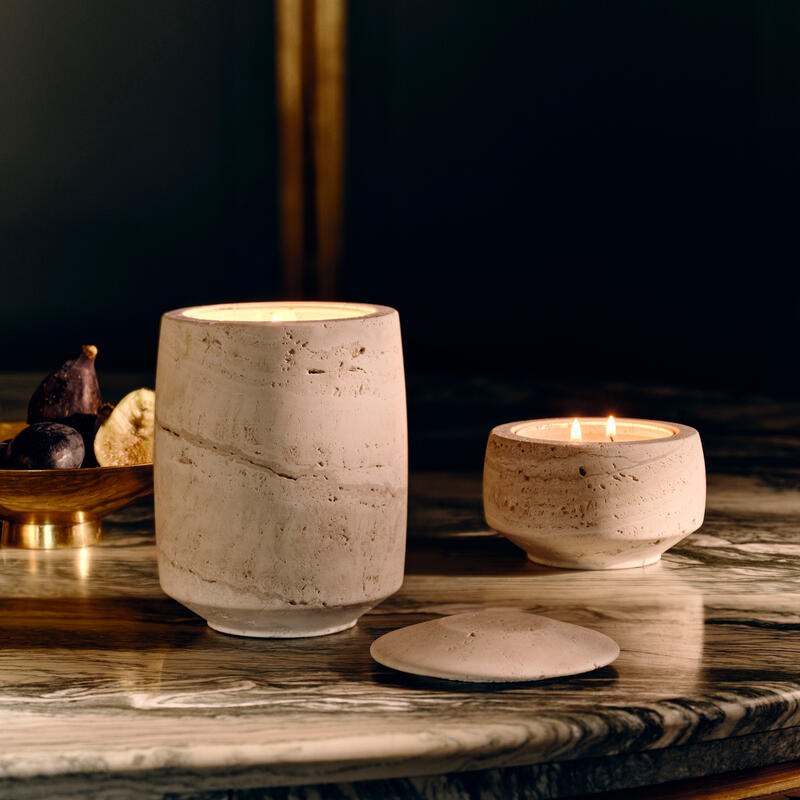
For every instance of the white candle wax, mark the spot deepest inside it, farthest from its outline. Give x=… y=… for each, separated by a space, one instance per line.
x=278 y=312
x=593 y=429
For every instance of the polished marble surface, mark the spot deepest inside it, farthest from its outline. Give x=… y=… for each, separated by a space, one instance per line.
x=108 y=686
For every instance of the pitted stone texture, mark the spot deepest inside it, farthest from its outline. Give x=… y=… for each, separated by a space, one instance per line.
x=281 y=470
x=594 y=505
x=494 y=646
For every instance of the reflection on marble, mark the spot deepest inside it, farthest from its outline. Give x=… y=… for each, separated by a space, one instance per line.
x=107 y=686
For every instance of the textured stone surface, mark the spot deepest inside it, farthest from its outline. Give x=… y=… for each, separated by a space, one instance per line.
x=494 y=646
x=594 y=505
x=280 y=470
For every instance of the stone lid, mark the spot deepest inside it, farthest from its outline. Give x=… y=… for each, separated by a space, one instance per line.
x=494 y=646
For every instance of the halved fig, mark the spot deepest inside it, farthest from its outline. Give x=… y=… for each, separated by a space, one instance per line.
x=126 y=437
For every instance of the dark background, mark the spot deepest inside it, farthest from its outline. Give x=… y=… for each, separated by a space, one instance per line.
x=576 y=191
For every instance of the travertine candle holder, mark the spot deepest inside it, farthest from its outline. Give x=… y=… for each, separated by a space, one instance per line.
x=603 y=504
x=281 y=465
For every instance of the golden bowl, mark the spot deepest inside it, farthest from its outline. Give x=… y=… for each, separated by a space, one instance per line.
x=46 y=508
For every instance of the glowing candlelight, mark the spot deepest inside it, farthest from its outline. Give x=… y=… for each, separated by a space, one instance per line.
x=277 y=312
x=593 y=430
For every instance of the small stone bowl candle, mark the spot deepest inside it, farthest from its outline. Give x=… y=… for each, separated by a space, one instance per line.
x=594 y=493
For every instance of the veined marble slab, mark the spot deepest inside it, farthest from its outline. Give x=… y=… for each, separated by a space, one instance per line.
x=110 y=689
x=102 y=675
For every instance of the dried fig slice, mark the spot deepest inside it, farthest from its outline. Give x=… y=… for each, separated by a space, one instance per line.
x=126 y=437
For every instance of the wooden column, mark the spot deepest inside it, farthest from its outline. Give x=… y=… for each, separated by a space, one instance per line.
x=310 y=61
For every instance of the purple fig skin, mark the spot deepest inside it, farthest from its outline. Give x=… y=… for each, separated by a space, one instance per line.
x=4 y=453
x=46 y=445
x=70 y=395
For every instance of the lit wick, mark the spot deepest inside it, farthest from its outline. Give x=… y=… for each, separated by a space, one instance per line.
x=575 y=432
x=611 y=428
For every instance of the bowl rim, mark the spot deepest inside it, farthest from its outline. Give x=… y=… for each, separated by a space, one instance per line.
x=73 y=470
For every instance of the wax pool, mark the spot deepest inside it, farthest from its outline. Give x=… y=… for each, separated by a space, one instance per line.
x=278 y=312
x=593 y=429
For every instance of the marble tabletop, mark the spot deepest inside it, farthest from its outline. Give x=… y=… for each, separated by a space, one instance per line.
x=110 y=689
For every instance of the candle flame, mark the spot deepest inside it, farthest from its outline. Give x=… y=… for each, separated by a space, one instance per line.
x=575 y=431
x=611 y=428
x=276 y=317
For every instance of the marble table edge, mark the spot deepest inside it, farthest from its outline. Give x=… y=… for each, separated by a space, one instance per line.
x=444 y=747
x=176 y=777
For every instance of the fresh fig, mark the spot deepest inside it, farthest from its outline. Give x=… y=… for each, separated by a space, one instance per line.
x=46 y=445
x=70 y=395
x=126 y=437
x=4 y=453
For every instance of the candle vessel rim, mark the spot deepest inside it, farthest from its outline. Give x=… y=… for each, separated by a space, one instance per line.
x=676 y=429
x=196 y=314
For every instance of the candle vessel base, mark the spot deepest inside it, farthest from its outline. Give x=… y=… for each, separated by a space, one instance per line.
x=595 y=563
x=282 y=624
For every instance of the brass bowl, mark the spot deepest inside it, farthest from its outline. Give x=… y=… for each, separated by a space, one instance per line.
x=46 y=508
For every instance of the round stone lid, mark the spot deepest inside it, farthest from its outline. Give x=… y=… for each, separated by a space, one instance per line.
x=494 y=646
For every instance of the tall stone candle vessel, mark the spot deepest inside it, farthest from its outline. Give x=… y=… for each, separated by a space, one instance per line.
x=281 y=466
